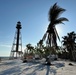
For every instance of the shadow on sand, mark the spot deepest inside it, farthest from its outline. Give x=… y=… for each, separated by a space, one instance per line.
x=51 y=70
x=48 y=68
x=32 y=69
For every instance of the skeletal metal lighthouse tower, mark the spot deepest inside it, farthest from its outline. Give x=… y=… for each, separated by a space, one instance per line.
x=17 y=43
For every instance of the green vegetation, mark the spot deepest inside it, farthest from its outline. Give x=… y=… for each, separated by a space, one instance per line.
x=68 y=49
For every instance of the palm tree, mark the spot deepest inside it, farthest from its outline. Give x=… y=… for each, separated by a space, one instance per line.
x=40 y=48
x=40 y=43
x=69 y=43
x=30 y=48
x=54 y=18
x=65 y=48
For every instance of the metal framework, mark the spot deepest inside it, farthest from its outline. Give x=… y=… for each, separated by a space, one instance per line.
x=16 y=50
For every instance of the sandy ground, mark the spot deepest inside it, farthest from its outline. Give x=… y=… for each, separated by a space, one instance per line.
x=16 y=67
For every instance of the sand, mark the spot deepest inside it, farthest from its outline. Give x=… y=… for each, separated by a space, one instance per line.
x=17 y=67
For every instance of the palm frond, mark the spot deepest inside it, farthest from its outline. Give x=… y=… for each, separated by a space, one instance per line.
x=41 y=42
x=44 y=37
x=60 y=20
x=53 y=40
x=57 y=34
x=55 y=12
x=47 y=40
x=54 y=36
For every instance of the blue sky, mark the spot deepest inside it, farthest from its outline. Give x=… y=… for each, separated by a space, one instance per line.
x=33 y=15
